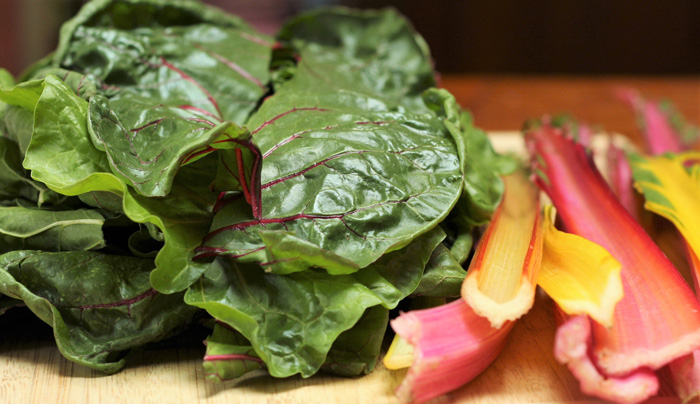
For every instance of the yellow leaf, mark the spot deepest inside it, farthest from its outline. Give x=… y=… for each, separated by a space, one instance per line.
x=579 y=275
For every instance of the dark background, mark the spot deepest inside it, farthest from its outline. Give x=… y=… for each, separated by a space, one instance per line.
x=589 y=37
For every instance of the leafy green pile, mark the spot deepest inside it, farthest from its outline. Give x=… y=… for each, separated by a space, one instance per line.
x=168 y=158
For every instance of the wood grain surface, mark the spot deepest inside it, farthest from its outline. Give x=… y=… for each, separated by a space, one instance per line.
x=32 y=371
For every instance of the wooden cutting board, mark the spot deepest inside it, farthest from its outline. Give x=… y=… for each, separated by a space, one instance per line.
x=32 y=371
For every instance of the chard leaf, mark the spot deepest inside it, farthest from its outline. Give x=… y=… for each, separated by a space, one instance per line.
x=18 y=126
x=286 y=254
x=443 y=275
x=184 y=219
x=24 y=95
x=483 y=167
x=229 y=355
x=352 y=182
x=356 y=351
x=34 y=228
x=149 y=150
x=60 y=153
x=6 y=79
x=295 y=338
x=18 y=104
x=62 y=156
x=99 y=306
x=14 y=181
x=374 y=52
x=7 y=303
x=290 y=337
x=168 y=89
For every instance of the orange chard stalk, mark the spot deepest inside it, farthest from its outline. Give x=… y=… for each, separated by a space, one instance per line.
x=658 y=319
x=502 y=277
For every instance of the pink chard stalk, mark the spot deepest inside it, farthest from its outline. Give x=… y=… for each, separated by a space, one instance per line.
x=657 y=320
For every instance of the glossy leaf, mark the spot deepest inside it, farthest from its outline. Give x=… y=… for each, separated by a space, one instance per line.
x=99 y=306
x=62 y=156
x=483 y=167
x=32 y=228
x=354 y=183
x=169 y=88
x=295 y=338
x=60 y=153
x=354 y=353
x=370 y=52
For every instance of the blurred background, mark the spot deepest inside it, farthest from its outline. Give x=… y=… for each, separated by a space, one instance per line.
x=584 y=37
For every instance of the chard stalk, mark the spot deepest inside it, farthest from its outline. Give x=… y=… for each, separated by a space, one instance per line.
x=502 y=277
x=659 y=134
x=685 y=371
x=571 y=345
x=620 y=178
x=451 y=345
x=658 y=319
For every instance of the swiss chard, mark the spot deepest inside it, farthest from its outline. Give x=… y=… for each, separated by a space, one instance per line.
x=99 y=306
x=313 y=177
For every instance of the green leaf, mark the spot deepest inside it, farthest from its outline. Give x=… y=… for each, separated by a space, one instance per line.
x=376 y=53
x=99 y=306
x=291 y=337
x=14 y=180
x=16 y=108
x=6 y=79
x=24 y=95
x=60 y=153
x=443 y=275
x=62 y=156
x=7 y=303
x=267 y=309
x=169 y=87
x=287 y=254
x=229 y=355
x=352 y=182
x=356 y=351
x=34 y=228
x=483 y=167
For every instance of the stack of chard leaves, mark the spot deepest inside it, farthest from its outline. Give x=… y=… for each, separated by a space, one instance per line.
x=167 y=158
